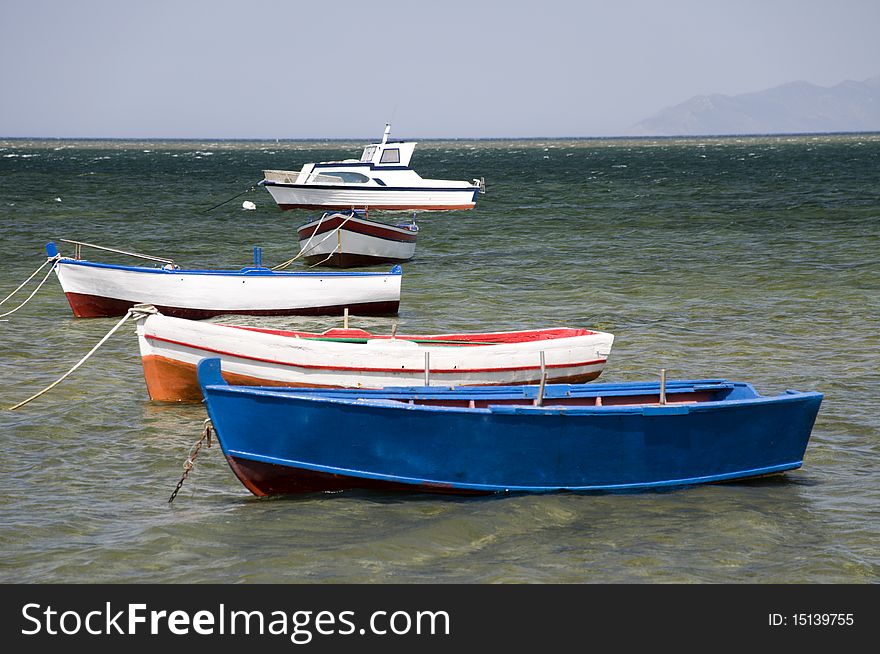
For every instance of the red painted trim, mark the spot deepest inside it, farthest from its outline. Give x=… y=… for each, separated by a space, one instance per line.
x=172 y=380
x=549 y=334
x=95 y=306
x=385 y=232
x=354 y=369
x=348 y=260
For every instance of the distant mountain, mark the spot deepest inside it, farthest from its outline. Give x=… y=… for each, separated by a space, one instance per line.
x=797 y=107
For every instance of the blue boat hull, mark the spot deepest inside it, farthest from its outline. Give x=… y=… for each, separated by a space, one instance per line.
x=291 y=441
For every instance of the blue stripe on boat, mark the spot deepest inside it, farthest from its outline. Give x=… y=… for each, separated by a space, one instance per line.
x=244 y=272
x=690 y=481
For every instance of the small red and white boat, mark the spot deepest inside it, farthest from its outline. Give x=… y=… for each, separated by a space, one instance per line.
x=97 y=290
x=381 y=179
x=349 y=239
x=171 y=348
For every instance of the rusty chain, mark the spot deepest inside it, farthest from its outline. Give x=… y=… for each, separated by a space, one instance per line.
x=190 y=462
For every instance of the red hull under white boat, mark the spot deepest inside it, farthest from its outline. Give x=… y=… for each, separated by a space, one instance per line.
x=101 y=290
x=170 y=349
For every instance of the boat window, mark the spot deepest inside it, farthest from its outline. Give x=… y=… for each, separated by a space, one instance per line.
x=322 y=178
x=351 y=178
x=369 y=151
x=340 y=177
x=390 y=155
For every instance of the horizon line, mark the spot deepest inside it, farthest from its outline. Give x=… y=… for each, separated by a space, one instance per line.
x=432 y=138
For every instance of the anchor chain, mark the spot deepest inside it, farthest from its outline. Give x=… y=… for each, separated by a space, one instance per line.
x=190 y=462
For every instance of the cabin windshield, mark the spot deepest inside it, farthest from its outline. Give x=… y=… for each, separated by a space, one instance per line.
x=368 y=154
x=390 y=155
x=340 y=177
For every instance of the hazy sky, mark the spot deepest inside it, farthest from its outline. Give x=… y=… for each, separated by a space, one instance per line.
x=340 y=68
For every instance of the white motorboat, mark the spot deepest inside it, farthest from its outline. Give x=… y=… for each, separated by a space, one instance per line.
x=380 y=179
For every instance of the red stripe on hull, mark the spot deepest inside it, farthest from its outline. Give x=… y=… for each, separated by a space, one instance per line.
x=386 y=232
x=170 y=380
x=348 y=260
x=95 y=306
x=386 y=207
x=264 y=479
x=465 y=339
x=582 y=377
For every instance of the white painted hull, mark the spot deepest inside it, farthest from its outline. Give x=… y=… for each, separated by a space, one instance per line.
x=345 y=241
x=305 y=196
x=104 y=290
x=171 y=348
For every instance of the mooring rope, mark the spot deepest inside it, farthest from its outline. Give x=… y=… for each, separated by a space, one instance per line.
x=135 y=311
x=34 y=292
x=33 y=274
x=338 y=248
x=307 y=249
x=282 y=266
x=248 y=190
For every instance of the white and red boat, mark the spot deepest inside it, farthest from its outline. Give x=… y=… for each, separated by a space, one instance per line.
x=380 y=179
x=100 y=289
x=349 y=239
x=171 y=348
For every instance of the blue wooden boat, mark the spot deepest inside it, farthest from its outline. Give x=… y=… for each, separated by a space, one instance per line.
x=578 y=437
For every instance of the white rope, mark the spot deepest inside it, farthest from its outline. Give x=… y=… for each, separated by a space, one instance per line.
x=338 y=248
x=133 y=312
x=33 y=293
x=34 y=274
x=307 y=249
x=304 y=249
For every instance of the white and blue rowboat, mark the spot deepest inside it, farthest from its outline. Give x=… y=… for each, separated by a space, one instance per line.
x=471 y=440
x=101 y=289
x=380 y=179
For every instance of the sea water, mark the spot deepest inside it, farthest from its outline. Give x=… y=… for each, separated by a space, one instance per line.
x=755 y=259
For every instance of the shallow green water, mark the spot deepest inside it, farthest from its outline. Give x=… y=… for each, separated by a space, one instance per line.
x=754 y=259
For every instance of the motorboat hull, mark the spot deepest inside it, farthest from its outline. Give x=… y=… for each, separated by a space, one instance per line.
x=339 y=197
